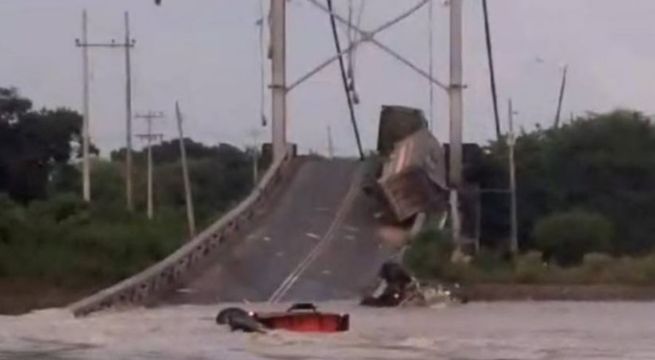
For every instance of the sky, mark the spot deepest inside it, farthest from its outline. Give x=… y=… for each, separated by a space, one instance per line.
x=206 y=54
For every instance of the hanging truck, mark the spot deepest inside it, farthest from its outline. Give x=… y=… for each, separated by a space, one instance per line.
x=413 y=176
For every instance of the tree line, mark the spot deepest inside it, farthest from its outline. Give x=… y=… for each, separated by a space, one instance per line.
x=594 y=173
x=47 y=233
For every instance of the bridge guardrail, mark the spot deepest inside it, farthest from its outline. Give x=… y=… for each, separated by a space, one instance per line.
x=165 y=274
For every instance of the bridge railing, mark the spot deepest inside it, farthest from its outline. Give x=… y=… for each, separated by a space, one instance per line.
x=167 y=273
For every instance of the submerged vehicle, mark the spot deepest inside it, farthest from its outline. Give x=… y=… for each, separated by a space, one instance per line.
x=399 y=288
x=304 y=317
x=238 y=319
x=301 y=317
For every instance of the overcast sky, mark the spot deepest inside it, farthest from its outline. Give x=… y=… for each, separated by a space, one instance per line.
x=206 y=54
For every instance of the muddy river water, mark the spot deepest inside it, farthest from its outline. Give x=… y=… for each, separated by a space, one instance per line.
x=502 y=330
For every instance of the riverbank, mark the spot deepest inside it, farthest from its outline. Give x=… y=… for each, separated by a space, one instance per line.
x=544 y=292
x=22 y=296
x=19 y=297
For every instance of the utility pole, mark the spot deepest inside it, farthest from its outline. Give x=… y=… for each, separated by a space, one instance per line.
x=330 y=144
x=191 y=219
x=149 y=137
x=511 y=141
x=561 y=96
x=254 y=133
x=128 y=44
x=86 y=171
x=255 y=164
x=278 y=85
x=456 y=115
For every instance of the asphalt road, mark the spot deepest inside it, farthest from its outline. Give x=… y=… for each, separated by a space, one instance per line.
x=319 y=241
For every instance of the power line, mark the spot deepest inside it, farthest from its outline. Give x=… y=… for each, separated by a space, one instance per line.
x=492 y=77
x=345 y=80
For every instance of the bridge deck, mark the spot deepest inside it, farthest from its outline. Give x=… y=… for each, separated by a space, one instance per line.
x=319 y=241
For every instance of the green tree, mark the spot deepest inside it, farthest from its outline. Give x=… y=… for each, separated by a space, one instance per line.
x=220 y=176
x=567 y=237
x=603 y=163
x=169 y=151
x=32 y=144
x=429 y=253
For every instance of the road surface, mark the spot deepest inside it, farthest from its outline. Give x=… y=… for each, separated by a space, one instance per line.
x=319 y=241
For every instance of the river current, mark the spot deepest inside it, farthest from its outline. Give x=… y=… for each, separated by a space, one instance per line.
x=476 y=331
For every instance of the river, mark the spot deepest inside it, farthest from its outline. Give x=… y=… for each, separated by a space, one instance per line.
x=501 y=330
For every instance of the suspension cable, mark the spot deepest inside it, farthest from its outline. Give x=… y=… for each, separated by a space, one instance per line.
x=431 y=62
x=351 y=34
x=368 y=36
x=262 y=65
x=345 y=80
x=353 y=53
x=360 y=15
x=351 y=57
x=492 y=76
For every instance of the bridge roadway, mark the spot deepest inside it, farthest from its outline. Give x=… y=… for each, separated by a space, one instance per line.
x=319 y=240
